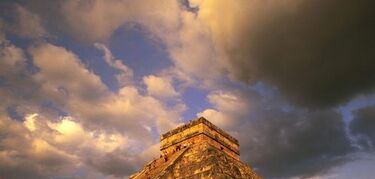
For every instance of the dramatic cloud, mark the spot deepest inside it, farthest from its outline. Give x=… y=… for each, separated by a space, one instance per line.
x=187 y=38
x=89 y=99
x=279 y=141
x=288 y=143
x=318 y=53
x=39 y=148
x=104 y=132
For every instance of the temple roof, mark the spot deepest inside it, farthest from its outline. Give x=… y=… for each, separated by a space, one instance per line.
x=196 y=122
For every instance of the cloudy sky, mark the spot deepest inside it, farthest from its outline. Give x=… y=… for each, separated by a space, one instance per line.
x=87 y=86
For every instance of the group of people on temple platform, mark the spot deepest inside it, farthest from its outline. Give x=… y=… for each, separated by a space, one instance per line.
x=177 y=148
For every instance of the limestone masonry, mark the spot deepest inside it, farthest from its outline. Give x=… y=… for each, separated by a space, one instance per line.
x=197 y=149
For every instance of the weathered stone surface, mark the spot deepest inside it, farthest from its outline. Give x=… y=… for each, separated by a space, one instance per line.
x=197 y=150
x=199 y=131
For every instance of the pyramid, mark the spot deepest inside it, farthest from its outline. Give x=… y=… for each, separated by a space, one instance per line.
x=197 y=149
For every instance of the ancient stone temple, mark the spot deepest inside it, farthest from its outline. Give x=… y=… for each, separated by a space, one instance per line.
x=197 y=149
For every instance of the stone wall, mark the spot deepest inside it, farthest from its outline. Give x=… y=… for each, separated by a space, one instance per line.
x=205 y=161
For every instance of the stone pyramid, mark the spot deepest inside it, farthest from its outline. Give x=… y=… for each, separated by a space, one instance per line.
x=197 y=149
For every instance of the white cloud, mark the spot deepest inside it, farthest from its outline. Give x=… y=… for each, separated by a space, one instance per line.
x=228 y=101
x=216 y=117
x=230 y=107
x=101 y=123
x=25 y=155
x=60 y=68
x=88 y=99
x=61 y=148
x=159 y=86
x=186 y=35
x=192 y=49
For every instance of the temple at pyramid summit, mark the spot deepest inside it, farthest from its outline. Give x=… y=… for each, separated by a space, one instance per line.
x=197 y=149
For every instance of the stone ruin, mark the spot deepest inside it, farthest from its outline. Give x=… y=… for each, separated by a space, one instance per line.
x=197 y=149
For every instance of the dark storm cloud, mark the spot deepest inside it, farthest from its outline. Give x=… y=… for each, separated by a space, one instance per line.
x=282 y=141
x=363 y=125
x=285 y=144
x=318 y=53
